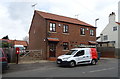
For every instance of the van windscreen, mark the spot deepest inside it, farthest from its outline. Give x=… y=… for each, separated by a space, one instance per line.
x=71 y=52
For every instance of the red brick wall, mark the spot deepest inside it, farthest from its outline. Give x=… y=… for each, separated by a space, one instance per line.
x=41 y=27
x=37 y=39
x=73 y=37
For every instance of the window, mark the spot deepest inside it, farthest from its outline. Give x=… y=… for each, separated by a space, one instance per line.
x=65 y=29
x=71 y=52
x=91 y=32
x=52 y=27
x=115 y=28
x=65 y=46
x=82 y=31
x=80 y=53
x=105 y=37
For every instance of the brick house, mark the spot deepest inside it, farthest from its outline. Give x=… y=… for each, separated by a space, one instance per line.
x=55 y=34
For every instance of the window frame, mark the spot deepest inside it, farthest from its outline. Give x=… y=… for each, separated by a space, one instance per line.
x=80 y=53
x=65 y=45
x=115 y=28
x=65 y=28
x=105 y=37
x=91 y=32
x=52 y=27
x=82 y=31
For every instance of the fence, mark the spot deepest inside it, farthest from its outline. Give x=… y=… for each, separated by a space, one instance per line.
x=26 y=55
x=107 y=52
x=32 y=55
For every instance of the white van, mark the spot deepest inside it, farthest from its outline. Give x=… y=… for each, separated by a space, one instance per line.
x=78 y=56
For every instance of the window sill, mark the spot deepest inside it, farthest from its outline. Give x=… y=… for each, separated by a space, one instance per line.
x=82 y=35
x=66 y=33
x=92 y=36
x=52 y=32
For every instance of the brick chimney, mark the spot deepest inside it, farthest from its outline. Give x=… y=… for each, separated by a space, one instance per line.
x=112 y=17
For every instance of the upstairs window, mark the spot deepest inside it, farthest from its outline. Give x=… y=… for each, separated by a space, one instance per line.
x=115 y=28
x=65 y=46
x=105 y=37
x=82 y=31
x=65 y=29
x=52 y=27
x=91 y=32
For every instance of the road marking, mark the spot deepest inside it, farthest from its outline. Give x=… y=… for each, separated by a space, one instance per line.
x=83 y=72
x=102 y=70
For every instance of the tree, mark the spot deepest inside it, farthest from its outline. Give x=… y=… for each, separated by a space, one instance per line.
x=26 y=38
x=6 y=37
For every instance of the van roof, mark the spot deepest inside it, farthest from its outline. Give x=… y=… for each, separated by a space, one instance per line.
x=80 y=48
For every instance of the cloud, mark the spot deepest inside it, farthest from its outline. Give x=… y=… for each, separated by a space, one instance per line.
x=16 y=15
x=15 y=19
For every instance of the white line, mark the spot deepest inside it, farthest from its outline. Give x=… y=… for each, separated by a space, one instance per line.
x=102 y=70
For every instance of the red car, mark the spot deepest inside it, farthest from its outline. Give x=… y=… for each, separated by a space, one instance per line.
x=3 y=60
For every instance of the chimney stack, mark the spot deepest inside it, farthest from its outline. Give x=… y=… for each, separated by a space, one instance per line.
x=112 y=17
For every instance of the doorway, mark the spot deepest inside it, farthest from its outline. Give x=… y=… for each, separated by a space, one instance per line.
x=52 y=49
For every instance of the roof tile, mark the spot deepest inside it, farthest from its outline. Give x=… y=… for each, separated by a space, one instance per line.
x=61 y=18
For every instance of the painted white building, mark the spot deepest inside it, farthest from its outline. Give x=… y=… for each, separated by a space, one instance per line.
x=119 y=11
x=111 y=31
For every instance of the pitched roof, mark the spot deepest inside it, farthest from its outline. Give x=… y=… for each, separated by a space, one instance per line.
x=61 y=18
x=118 y=23
x=17 y=42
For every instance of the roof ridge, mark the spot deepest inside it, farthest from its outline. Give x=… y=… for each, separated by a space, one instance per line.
x=57 y=15
x=48 y=15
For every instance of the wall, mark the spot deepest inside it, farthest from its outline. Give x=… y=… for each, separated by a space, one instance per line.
x=37 y=34
x=73 y=37
x=119 y=11
x=119 y=36
x=112 y=35
x=107 y=52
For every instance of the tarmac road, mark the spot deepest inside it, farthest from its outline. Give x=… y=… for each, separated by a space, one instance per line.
x=107 y=67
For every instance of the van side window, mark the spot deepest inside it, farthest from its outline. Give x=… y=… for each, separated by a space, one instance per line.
x=80 y=53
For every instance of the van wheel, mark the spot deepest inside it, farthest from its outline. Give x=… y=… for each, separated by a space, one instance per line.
x=93 y=62
x=72 y=64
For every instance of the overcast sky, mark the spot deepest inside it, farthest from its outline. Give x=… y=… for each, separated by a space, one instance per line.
x=16 y=15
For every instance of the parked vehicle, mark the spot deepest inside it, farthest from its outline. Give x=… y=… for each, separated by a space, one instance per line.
x=78 y=56
x=22 y=49
x=3 y=60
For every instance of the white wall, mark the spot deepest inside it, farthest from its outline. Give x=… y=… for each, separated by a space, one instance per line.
x=119 y=11
x=119 y=36
x=112 y=35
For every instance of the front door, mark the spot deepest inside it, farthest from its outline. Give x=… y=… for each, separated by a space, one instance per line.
x=52 y=49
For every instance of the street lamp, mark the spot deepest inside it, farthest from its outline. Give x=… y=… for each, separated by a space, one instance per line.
x=96 y=22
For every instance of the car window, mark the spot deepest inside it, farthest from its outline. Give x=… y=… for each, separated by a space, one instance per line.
x=80 y=53
x=71 y=52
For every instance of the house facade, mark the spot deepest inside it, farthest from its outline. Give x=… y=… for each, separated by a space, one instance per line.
x=110 y=35
x=55 y=35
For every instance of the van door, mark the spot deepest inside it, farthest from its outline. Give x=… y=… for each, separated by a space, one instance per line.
x=79 y=56
x=87 y=56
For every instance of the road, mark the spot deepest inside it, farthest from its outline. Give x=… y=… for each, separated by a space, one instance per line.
x=104 y=68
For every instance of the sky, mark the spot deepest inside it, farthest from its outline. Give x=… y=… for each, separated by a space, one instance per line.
x=16 y=15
